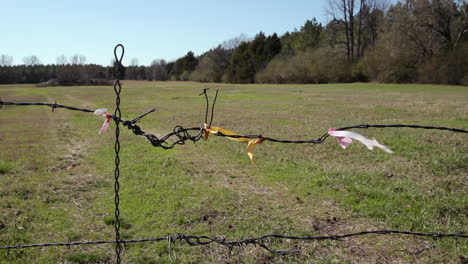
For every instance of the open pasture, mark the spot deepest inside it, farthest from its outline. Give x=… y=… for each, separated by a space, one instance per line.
x=57 y=173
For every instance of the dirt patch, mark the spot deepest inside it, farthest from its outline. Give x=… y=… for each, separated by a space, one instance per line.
x=69 y=161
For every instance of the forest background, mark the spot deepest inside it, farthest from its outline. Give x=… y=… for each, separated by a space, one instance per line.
x=411 y=41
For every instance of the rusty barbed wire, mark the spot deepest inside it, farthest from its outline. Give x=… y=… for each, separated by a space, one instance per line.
x=202 y=240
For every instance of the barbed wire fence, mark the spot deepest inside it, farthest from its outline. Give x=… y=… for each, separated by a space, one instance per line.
x=182 y=134
x=179 y=136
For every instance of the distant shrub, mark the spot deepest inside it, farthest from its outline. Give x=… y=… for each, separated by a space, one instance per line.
x=397 y=67
x=450 y=68
x=312 y=66
x=57 y=82
x=201 y=76
x=185 y=76
x=51 y=82
x=212 y=65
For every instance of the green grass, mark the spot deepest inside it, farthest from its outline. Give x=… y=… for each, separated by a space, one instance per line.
x=6 y=167
x=57 y=174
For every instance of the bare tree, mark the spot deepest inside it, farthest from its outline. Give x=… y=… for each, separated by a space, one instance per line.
x=450 y=21
x=370 y=19
x=61 y=60
x=235 y=42
x=77 y=59
x=31 y=60
x=157 y=71
x=132 y=71
x=6 y=60
x=429 y=27
x=356 y=18
x=134 y=62
x=342 y=11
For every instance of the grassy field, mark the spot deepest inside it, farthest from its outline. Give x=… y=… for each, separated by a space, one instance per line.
x=57 y=173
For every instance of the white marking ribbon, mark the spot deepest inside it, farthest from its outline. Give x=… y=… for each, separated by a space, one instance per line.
x=104 y=126
x=103 y=112
x=345 y=138
x=100 y=111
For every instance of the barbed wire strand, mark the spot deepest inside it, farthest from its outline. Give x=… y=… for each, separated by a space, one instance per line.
x=117 y=115
x=182 y=134
x=54 y=105
x=194 y=240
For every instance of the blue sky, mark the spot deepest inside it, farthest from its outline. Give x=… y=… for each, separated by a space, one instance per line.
x=148 y=29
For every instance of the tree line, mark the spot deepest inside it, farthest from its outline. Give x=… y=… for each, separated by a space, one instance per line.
x=67 y=71
x=423 y=41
